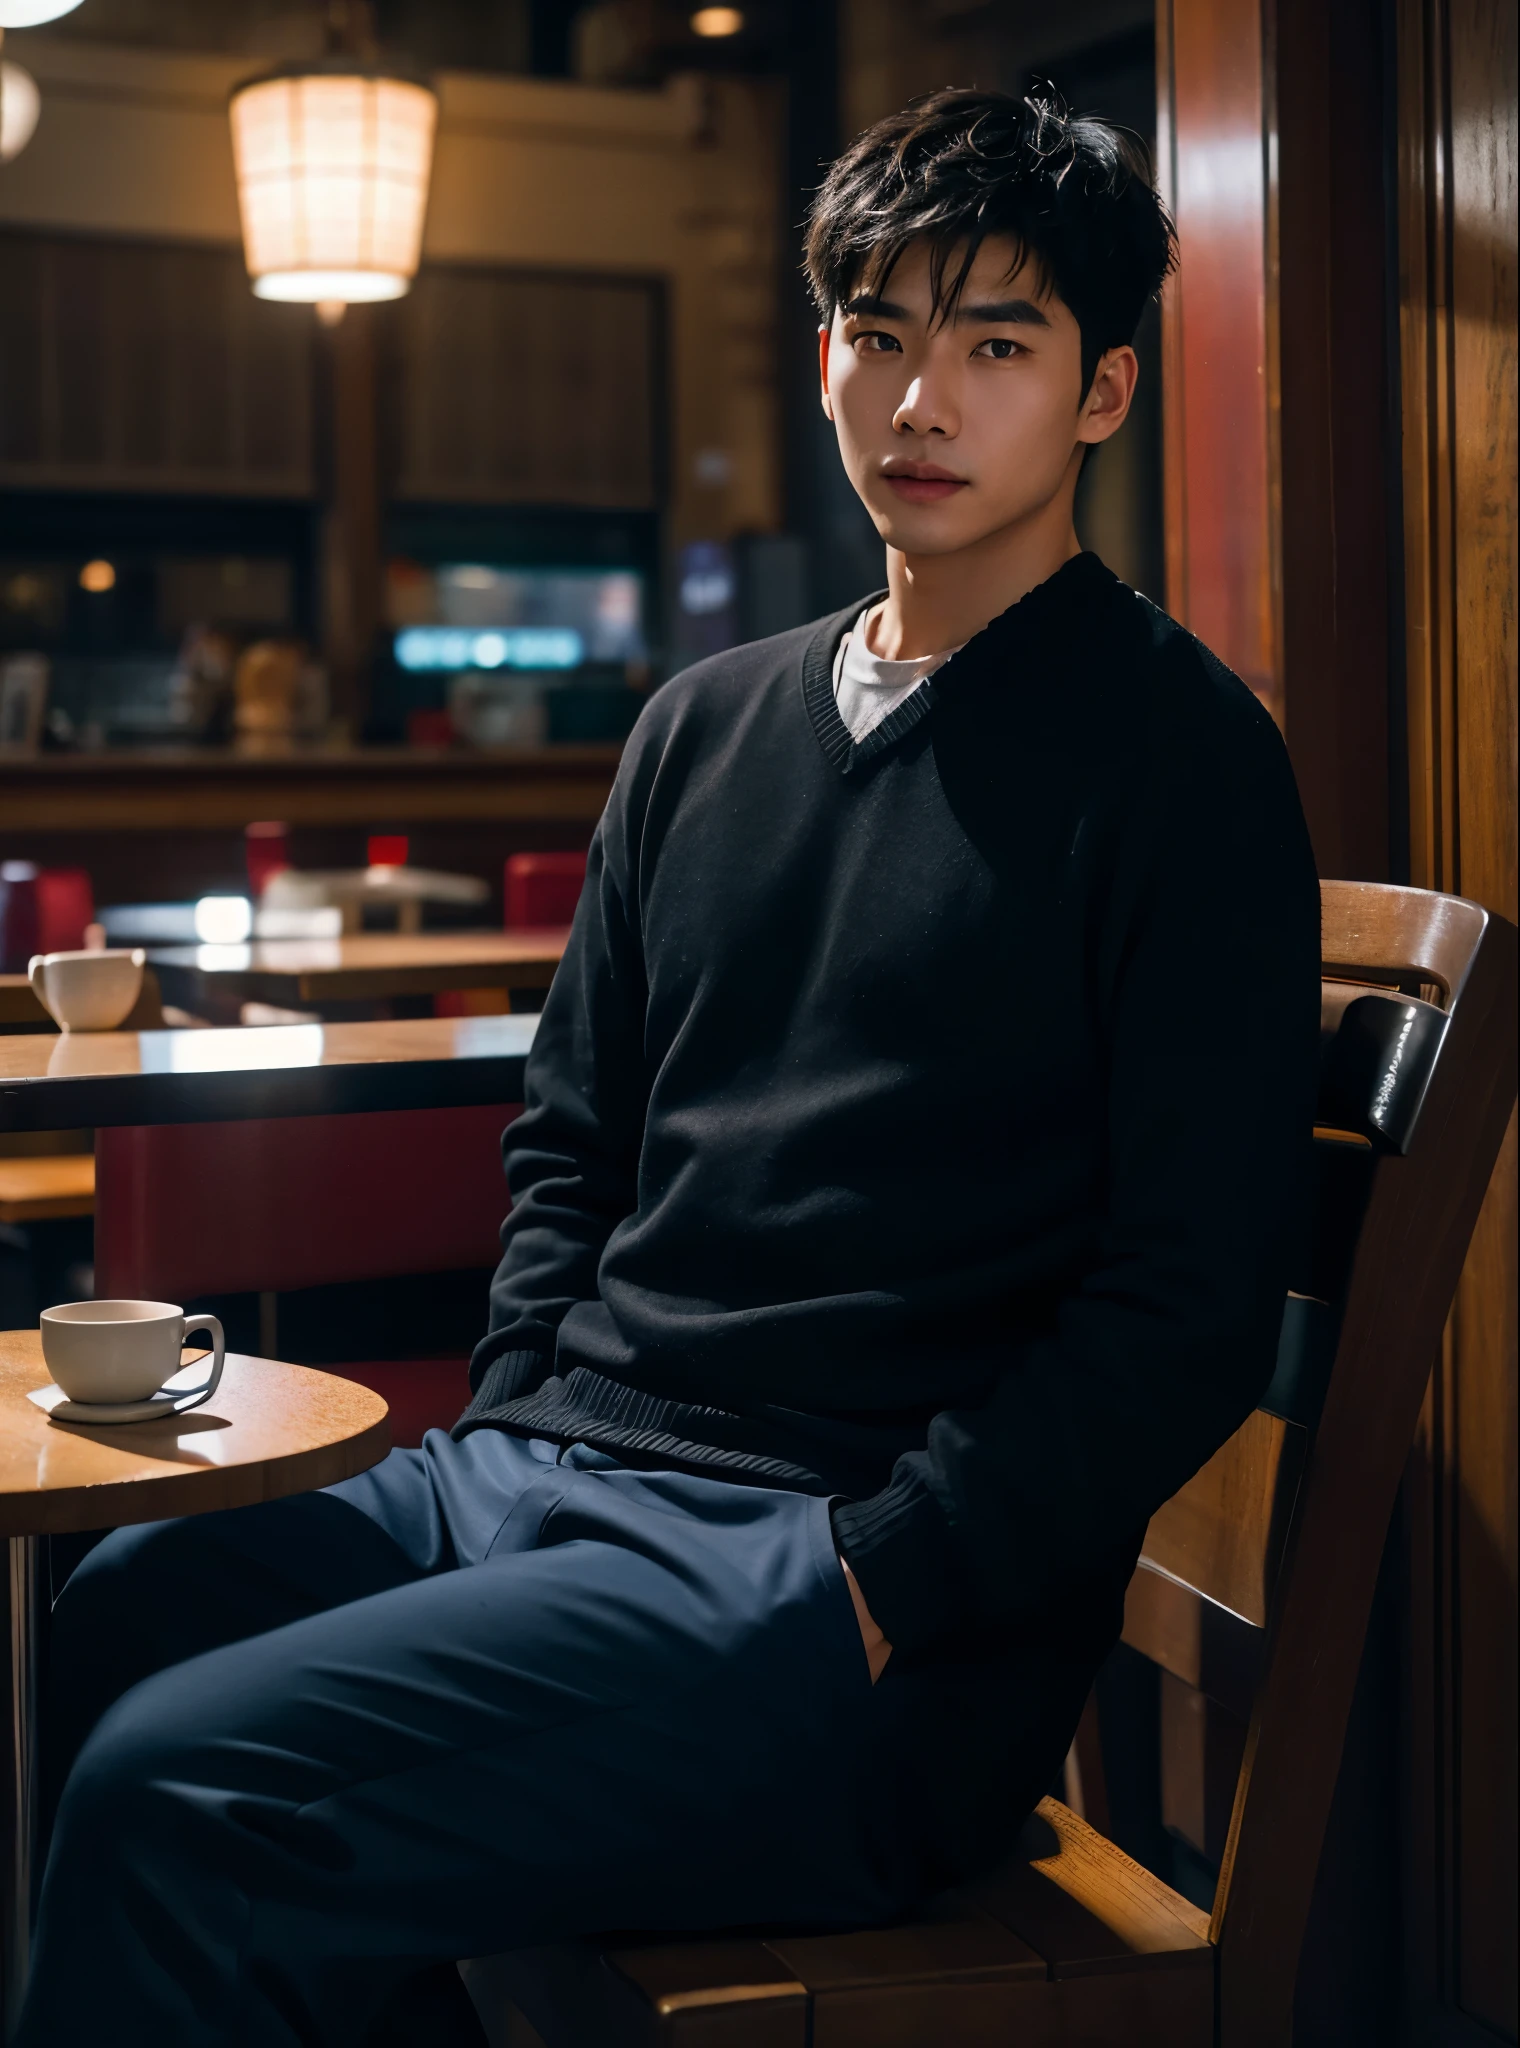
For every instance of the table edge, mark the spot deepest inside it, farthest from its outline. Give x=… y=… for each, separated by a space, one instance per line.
x=120 y=1503
x=65 y=1102
x=342 y=984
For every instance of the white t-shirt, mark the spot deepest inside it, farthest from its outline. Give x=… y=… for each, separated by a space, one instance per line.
x=868 y=689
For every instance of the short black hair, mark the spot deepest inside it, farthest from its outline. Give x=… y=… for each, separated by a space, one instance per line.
x=1076 y=196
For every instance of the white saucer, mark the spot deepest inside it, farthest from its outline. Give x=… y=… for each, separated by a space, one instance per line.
x=61 y=1409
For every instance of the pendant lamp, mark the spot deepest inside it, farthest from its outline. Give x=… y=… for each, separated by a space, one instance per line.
x=31 y=13
x=20 y=105
x=333 y=161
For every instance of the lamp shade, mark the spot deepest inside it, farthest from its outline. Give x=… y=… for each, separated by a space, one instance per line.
x=20 y=105
x=332 y=176
x=29 y=13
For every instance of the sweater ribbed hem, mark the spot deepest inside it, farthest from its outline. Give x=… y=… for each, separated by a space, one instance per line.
x=509 y=1374
x=897 y=1541
x=585 y=1408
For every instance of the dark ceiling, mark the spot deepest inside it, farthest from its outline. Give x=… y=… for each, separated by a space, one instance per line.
x=983 y=38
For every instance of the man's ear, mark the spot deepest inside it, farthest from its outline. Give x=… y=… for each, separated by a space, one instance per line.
x=1106 y=406
x=823 y=372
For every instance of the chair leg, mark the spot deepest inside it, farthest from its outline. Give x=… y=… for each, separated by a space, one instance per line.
x=505 y=2026
x=1086 y=1782
x=518 y=2034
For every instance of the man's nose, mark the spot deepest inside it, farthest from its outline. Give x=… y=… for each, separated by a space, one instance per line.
x=927 y=407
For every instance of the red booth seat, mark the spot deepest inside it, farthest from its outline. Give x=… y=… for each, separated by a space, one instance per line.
x=269 y=1206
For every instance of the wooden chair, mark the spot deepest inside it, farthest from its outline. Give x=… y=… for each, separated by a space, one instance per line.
x=269 y=1206
x=41 y=1188
x=1253 y=1589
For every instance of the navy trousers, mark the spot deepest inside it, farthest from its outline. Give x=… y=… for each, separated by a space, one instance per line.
x=490 y=1694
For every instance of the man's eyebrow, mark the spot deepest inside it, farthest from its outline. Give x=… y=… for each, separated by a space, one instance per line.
x=998 y=313
x=872 y=307
x=1004 y=313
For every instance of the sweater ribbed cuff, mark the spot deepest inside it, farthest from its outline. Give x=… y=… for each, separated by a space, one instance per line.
x=899 y=1546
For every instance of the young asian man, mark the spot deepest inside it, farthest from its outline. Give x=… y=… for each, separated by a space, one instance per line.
x=903 y=1208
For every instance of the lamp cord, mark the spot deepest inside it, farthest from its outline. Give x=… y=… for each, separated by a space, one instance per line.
x=350 y=29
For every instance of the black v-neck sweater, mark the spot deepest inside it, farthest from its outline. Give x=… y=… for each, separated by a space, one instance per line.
x=924 y=1121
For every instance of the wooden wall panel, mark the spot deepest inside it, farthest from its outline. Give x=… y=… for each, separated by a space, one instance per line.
x=151 y=366
x=1487 y=1328
x=1294 y=134
x=1279 y=521
x=1457 y=160
x=1218 y=340
x=1338 y=470
x=518 y=388
x=351 y=567
x=146 y=366
x=1482 y=1594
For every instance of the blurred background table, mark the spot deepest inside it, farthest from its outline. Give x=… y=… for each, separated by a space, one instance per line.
x=294 y=899
x=157 y=826
x=270 y=1430
x=390 y=885
x=81 y=1080
x=215 y=981
x=21 y=1011
x=19 y=1007
x=47 y=1188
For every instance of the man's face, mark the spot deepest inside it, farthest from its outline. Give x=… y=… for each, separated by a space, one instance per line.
x=953 y=431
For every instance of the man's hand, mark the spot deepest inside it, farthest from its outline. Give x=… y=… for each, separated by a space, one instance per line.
x=878 y=1649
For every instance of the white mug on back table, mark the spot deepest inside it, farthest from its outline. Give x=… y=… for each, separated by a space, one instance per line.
x=87 y=991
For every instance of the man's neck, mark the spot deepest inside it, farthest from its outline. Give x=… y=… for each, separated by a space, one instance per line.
x=938 y=601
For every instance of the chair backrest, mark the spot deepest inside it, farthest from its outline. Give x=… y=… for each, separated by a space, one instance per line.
x=18 y=915
x=65 y=909
x=266 y=852
x=226 y=1208
x=542 y=889
x=1256 y=1579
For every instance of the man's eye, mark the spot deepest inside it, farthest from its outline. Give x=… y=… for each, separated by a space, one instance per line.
x=877 y=344
x=999 y=347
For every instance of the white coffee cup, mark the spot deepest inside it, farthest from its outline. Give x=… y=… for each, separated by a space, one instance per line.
x=112 y=1353
x=87 y=991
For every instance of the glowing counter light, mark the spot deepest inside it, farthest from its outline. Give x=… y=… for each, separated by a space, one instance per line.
x=454 y=647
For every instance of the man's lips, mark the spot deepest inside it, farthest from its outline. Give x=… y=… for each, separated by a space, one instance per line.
x=921 y=483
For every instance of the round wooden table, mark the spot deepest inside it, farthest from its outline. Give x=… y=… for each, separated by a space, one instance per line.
x=270 y=1430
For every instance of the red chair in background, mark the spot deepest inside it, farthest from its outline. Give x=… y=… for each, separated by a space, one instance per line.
x=42 y=910
x=65 y=909
x=430 y=729
x=19 y=922
x=266 y=1207
x=542 y=889
x=266 y=849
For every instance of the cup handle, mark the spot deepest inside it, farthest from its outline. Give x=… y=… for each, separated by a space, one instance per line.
x=193 y=1396
x=36 y=974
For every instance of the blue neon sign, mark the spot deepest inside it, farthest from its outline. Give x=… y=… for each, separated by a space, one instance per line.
x=459 y=647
